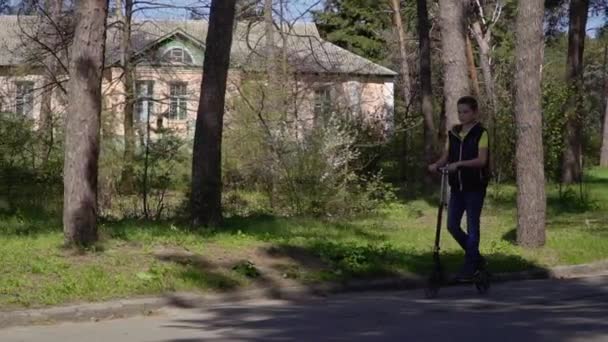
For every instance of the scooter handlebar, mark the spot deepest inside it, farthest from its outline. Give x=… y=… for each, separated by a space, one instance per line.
x=443 y=170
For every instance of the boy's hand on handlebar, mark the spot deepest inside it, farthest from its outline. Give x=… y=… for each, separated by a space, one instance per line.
x=433 y=168
x=452 y=167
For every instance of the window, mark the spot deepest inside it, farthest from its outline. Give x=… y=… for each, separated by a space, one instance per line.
x=24 y=99
x=144 y=102
x=177 y=55
x=322 y=104
x=178 y=108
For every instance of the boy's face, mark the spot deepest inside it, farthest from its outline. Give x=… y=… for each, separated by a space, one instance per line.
x=466 y=114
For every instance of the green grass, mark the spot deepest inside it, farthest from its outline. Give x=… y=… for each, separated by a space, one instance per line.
x=265 y=250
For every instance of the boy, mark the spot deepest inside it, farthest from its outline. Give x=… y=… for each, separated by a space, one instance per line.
x=466 y=158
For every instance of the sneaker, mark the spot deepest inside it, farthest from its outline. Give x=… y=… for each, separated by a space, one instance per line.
x=482 y=263
x=467 y=273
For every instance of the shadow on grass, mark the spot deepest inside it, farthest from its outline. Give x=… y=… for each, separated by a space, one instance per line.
x=265 y=228
x=336 y=262
x=29 y=221
x=205 y=274
x=596 y=179
x=199 y=271
x=568 y=202
x=349 y=261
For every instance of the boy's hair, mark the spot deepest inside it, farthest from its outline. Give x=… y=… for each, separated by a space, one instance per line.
x=470 y=101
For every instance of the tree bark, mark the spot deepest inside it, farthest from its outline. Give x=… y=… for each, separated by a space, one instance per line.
x=206 y=160
x=403 y=63
x=483 y=41
x=82 y=123
x=426 y=94
x=456 y=81
x=604 y=151
x=472 y=68
x=270 y=43
x=604 y=148
x=272 y=69
x=572 y=154
x=531 y=198
x=127 y=177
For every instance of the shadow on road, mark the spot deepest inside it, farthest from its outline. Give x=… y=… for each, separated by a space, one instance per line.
x=559 y=311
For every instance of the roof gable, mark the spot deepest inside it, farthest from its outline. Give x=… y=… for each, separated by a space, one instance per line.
x=153 y=52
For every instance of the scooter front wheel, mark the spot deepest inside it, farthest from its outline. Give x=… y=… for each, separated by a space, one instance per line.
x=482 y=282
x=434 y=282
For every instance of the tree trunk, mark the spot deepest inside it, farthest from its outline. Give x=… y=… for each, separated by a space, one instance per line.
x=403 y=63
x=604 y=148
x=483 y=41
x=82 y=123
x=272 y=69
x=127 y=177
x=604 y=152
x=456 y=81
x=426 y=94
x=472 y=68
x=572 y=154
x=53 y=9
x=206 y=160
x=531 y=198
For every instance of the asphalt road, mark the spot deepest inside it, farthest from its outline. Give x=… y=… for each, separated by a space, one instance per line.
x=549 y=310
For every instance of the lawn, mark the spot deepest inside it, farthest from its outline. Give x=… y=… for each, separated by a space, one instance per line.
x=136 y=258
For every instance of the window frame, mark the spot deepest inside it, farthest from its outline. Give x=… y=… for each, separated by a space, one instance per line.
x=144 y=100
x=322 y=103
x=23 y=99
x=185 y=57
x=178 y=101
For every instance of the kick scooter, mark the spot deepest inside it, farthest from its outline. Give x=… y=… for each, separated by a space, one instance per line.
x=437 y=278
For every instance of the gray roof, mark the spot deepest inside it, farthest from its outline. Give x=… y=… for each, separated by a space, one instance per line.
x=306 y=51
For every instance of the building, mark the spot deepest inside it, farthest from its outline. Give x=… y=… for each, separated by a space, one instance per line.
x=320 y=78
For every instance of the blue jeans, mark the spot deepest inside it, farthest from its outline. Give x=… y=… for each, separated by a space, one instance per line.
x=471 y=203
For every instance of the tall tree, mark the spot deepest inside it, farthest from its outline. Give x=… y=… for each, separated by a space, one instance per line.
x=27 y=7
x=604 y=151
x=125 y=21
x=206 y=160
x=572 y=156
x=531 y=198
x=354 y=25
x=472 y=68
x=426 y=93
x=5 y=7
x=272 y=61
x=453 y=55
x=481 y=29
x=403 y=62
x=604 y=147
x=82 y=123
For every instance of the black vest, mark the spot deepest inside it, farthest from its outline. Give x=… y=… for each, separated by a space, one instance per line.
x=467 y=178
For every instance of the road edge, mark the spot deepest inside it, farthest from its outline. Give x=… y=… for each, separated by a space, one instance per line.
x=150 y=305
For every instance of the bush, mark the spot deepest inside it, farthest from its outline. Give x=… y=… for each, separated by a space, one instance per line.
x=301 y=171
x=30 y=167
x=162 y=174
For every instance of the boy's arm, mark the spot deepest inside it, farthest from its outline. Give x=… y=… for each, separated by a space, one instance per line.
x=482 y=156
x=478 y=162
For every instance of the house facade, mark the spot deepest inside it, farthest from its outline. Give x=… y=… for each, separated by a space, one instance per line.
x=318 y=78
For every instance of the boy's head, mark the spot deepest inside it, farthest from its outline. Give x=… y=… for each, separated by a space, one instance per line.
x=468 y=109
